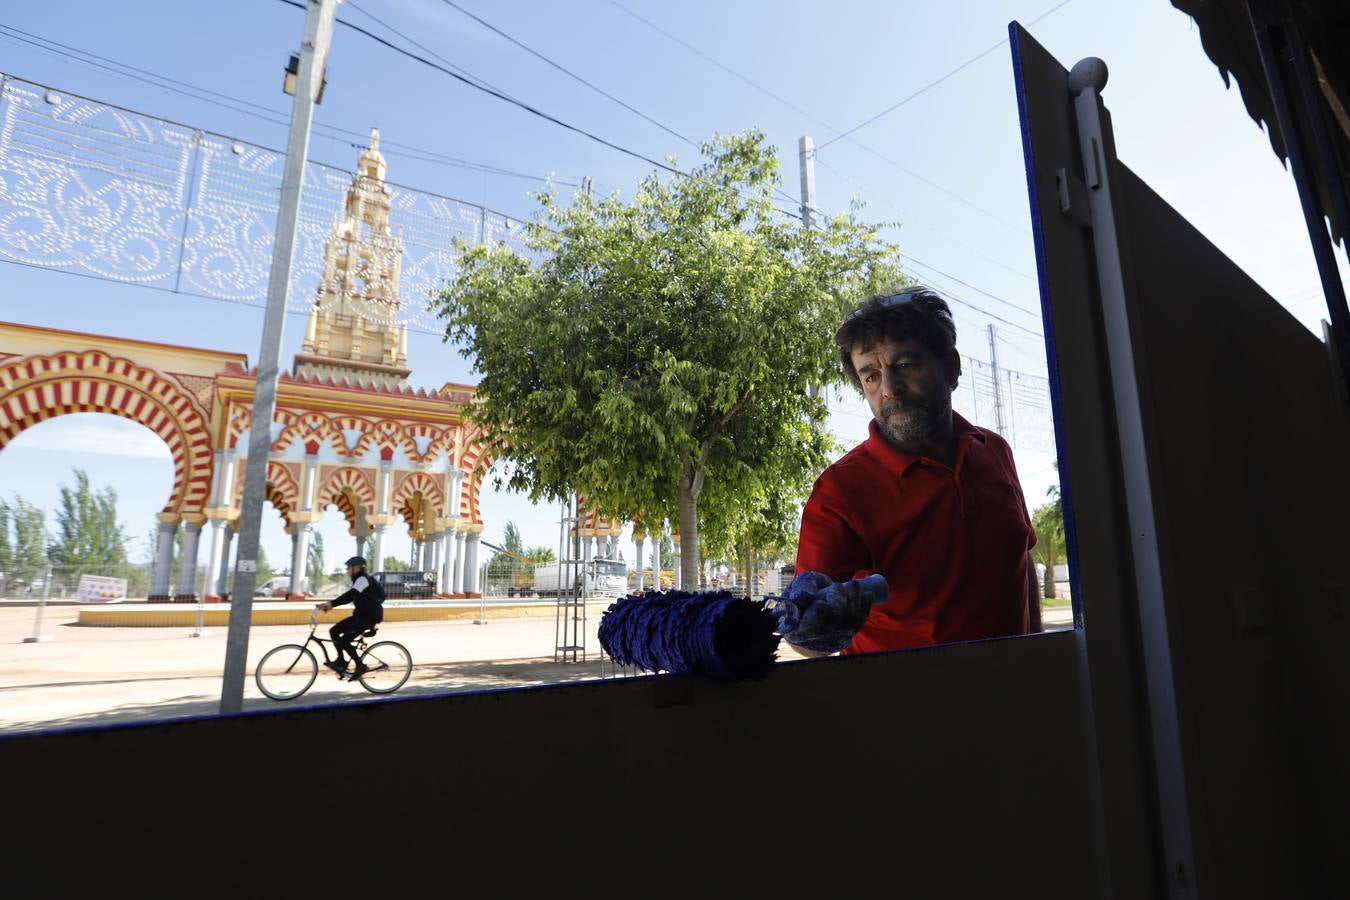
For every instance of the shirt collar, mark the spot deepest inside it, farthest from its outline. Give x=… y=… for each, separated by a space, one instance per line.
x=899 y=461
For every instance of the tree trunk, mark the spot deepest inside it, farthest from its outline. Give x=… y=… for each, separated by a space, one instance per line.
x=1048 y=582
x=689 y=557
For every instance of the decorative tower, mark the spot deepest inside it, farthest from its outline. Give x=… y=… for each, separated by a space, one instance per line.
x=352 y=336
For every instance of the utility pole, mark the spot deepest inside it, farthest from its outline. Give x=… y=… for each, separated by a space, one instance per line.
x=806 y=159
x=998 y=381
x=319 y=18
x=806 y=155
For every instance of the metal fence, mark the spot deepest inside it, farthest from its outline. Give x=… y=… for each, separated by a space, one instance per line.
x=1015 y=404
x=63 y=582
x=91 y=188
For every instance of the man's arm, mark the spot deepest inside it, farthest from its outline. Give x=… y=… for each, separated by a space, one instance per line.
x=805 y=652
x=1033 y=596
x=351 y=594
x=827 y=544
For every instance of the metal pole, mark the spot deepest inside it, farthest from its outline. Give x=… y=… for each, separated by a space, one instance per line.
x=806 y=158
x=998 y=388
x=319 y=17
x=38 y=637
x=806 y=155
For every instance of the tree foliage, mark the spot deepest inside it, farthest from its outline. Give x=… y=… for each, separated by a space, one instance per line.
x=655 y=347
x=1048 y=520
x=314 y=562
x=88 y=536
x=26 y=524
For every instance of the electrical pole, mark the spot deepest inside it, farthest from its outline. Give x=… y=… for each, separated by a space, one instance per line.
x=319 y=18
x=998 y=386
x=806 y=155
x=806 y=159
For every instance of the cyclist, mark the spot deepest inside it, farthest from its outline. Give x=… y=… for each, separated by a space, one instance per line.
x=367 y=599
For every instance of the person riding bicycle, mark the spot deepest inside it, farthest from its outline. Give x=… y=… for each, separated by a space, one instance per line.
x=367 y=599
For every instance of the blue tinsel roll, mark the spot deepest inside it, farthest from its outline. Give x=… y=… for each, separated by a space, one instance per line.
x=713 y=633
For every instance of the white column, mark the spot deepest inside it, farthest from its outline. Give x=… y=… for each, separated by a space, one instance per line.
x=471 y=585
x=458 y=582
x=456 y=492
x=217 y=478
x=446 y=572
x=429 y=553
x=640 y=576
x=187 y=573
x=223 y=573
x=214 y=545
x=377 y=564
x=309 y=484
x=382 y=493
x=226 y=495
x=159 y=587
x=675 y=545
x=299 y=553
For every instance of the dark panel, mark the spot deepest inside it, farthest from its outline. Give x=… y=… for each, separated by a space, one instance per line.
x=1098 y=541
x=951 y=772
x=1248 y=445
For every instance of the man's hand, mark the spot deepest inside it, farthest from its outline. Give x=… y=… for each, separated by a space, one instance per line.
x=324 y=606
x=817 y=614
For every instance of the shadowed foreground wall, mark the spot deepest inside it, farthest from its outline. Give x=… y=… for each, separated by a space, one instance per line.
x=955 y=771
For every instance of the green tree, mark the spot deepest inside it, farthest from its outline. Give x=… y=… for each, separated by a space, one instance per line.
x=29 y=559
x=6 y=544
x=540 y=555
x=265 y=573
x=314 y=562
x=501 y=565
x=658 y=347
x=89 y=538
x=394 y=564
x=1048 y=520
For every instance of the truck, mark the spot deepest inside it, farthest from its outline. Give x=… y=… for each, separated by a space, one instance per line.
x=596 y=578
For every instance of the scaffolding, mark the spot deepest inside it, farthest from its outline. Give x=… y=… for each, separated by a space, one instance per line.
x=569 y=618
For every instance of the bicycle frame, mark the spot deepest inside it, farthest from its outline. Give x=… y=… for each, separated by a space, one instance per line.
x=359 y=644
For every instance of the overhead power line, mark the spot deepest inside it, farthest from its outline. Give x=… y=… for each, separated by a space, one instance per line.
x=492 y=92
x=569 y=73
x=248 y=108
x=932 y=84
x=895 y=164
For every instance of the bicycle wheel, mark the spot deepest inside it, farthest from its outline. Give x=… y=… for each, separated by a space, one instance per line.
x=389 y=664
x=286 y=672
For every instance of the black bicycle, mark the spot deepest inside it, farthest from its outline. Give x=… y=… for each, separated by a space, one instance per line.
x=286 y=672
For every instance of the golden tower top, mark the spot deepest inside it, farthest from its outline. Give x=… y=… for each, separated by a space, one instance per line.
x=351 y=335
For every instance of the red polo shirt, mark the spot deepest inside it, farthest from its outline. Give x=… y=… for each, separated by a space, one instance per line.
x=952 y=542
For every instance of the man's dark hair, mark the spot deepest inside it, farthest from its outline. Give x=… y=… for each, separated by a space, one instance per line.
x=913 y=313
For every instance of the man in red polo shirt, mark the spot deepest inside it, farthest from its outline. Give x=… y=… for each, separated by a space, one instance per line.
x=928 y=500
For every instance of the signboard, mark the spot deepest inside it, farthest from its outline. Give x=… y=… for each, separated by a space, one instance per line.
x=101 y=589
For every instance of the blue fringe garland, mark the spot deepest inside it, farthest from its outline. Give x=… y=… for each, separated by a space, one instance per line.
x=714 y=633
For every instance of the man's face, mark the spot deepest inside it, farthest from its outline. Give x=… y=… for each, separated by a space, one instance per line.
x=352 y=571
x=908 y=388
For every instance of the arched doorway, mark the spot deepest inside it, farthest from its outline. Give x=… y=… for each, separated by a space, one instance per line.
x=36 y=388
x=104 y=528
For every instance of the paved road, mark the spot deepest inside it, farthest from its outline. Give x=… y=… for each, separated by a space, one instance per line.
x=98 y=676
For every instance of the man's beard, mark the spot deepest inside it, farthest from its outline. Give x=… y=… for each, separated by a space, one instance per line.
x=916 y=424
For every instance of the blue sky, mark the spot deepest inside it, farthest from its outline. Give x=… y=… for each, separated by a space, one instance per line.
x=954 y=179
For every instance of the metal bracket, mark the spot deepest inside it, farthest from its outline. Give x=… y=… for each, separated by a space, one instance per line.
x=1073 y=199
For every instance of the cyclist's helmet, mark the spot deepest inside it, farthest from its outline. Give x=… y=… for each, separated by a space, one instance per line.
x=356 y=561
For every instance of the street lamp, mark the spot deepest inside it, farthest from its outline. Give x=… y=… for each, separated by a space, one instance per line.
x=293 y=75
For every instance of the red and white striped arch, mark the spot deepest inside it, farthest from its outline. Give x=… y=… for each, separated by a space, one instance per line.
x=348 y=479
x=36 y=388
